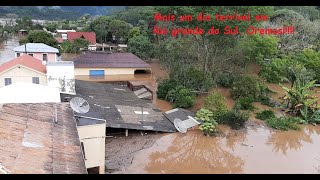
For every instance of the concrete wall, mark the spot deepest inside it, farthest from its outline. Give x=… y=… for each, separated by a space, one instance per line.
x=22 y=74
x=108 y=71
x=93 y=139
x=52 y=57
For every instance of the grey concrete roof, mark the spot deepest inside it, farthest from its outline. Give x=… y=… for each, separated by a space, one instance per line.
x=122 y=108
x=36 y=47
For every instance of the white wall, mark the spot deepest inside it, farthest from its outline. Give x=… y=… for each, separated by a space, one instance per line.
x=22 y=74
x=63 y=72
x=93 y=139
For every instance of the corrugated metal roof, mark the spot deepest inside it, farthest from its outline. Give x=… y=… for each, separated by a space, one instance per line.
x=31 y=143
x=109 y=60
x=36 y=47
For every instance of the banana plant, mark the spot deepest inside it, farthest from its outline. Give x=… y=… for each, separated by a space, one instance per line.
x=300 y=94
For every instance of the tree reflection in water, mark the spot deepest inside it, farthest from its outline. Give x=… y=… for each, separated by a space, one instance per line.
x=284 y=141
x=196 y=153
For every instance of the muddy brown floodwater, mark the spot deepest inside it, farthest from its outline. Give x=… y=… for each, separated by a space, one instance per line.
x=257 y=149
x=6 y=49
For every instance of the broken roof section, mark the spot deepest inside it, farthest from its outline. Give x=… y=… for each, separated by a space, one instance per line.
x=31 y=143
x=121 y=108
x=109 y=60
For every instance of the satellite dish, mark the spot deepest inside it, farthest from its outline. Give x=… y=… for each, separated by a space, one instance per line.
x=79 y=105
x=183 y=126
x=179 y=125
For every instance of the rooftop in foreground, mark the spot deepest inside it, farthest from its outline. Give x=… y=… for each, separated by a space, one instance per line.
x=121 y=108
x=32 y=143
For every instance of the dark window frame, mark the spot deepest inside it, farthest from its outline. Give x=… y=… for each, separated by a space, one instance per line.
x=35 y=80
x=46 y=57
x=6 y=81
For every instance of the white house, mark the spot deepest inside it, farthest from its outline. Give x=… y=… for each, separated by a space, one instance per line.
x=61 y=75
x=40 y=51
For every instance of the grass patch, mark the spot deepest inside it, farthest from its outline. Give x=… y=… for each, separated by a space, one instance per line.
x=245 y=103
x=283 y=123
x=265 y=114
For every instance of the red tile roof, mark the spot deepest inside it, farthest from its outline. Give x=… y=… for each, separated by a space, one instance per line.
x=107 y=60
x=24 y=60
x=89 y=36
x=31 y=143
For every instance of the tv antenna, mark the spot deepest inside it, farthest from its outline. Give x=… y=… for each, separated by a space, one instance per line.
x=79 y=105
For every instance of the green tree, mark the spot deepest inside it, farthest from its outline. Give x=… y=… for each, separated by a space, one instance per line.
x=40 y=37
x=100 y=26
x=119 y=29
x=81 y=43
x=258 y=47
x=24 y=23
x=209 y=47
x=141 y=46
x=135 y=31
x=51 y=26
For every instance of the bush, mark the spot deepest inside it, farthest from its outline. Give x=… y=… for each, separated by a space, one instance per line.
x=311 y=60
x=225 y=79
x=215 y=102
x=283 y=123
x=265 y=114
x=266 y=101
x=181 y=97
x=164 y=87
x=192 y=78
x=209 y=125
x=234 y=118
x=247 y=86
x=245 y=103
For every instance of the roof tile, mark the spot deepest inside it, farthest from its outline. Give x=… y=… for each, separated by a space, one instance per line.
x=24 y=60
x=89 y=36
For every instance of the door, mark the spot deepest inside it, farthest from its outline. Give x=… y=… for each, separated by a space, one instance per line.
x=96 y=72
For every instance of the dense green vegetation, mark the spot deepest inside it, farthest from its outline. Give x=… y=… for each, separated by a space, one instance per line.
x=265 y=114
x=56 y=12
x=215 y=102
x=39 y=37
x=75 y=47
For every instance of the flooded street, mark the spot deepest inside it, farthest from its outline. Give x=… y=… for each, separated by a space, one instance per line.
x=6 y=49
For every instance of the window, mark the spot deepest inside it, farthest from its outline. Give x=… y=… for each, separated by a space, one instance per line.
x=30 y=54
x=45 y=57
x=35 y=80
x=18 y=54
x=7 y=81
